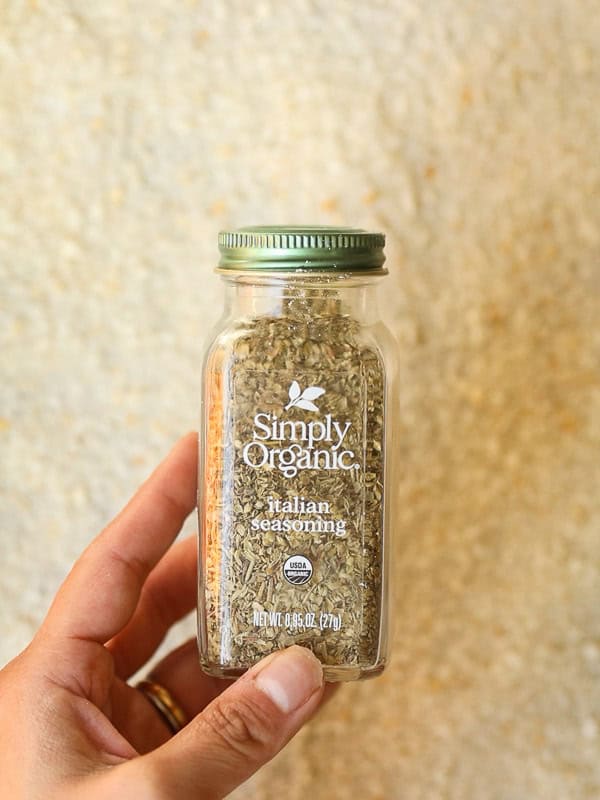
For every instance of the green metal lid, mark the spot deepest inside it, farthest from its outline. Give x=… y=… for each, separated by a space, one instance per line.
x=298 y=248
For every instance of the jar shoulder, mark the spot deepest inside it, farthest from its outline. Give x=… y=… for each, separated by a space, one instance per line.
x=280 y=342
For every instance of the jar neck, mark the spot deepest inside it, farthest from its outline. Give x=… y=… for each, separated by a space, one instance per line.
x=302 y=297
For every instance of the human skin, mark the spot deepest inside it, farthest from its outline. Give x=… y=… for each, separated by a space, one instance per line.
x=72 y=727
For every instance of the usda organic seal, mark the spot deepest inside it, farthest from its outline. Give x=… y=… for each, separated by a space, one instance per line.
x=297 y=570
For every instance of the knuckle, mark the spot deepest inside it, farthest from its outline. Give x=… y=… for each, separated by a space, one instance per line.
x=243 y=727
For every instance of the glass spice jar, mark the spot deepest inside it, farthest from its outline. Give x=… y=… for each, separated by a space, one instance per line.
x=293 y=475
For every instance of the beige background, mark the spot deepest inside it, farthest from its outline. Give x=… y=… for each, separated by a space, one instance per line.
x=132 y=130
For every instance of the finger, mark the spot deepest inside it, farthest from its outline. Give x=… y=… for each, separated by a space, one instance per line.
x=168 y=595
x=238 y=732
x=102 y=590
x=180 y=673
x=136 y=719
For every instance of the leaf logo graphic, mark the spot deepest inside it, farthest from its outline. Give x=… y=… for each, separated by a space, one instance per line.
x=303 y=399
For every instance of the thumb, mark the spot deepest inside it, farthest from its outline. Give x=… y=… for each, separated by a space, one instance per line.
x=239 y=731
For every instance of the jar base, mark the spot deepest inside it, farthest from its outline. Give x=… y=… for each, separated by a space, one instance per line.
x=331 y=673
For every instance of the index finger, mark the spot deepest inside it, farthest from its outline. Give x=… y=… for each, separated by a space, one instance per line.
x=102 y=590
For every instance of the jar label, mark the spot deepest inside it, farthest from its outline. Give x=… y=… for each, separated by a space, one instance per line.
x=292 y=442
x=295 y=545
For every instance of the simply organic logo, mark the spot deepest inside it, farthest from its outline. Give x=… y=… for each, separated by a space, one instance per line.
x=291 y=445
x=303 y=399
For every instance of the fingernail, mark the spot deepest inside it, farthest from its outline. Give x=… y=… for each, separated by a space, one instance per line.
x=290 y=677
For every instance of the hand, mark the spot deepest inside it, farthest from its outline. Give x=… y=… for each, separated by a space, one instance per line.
x=71 y=724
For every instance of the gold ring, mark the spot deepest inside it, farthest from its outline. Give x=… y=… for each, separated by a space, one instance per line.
x=163 y=702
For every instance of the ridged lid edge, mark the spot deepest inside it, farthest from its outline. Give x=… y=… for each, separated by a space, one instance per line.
x=295 y=248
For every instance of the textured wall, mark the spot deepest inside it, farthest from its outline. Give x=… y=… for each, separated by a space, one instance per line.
x=131 y=131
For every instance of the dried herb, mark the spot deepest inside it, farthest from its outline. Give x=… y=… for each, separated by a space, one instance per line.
x=293 y=499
